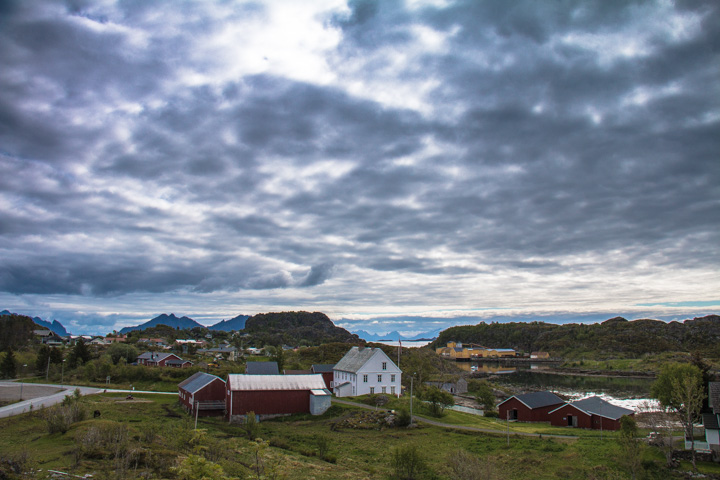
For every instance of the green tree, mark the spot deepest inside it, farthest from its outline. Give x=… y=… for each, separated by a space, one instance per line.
x=119 y=351
x=8 y=367
x=53 y=354
x=631 y=447
x=279 y=357
x=679 y=388
x=486 y=396
x=79 y=355
x=438 y=400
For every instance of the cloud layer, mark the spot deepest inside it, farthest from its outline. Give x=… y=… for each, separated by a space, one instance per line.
x=363 y=159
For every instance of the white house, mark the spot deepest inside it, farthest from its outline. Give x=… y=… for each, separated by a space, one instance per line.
x=365 y=370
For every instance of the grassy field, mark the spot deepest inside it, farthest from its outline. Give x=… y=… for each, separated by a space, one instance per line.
x=152 y=437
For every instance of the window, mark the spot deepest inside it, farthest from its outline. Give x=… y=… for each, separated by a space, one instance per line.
x=392 y=378
x=372 y=390
x=384 y=365
x=380 y=378
x=392 y=390
x=383 y=389
x=365 y=378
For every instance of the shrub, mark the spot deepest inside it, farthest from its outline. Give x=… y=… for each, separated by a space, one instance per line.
x=251 y=426
x=491 y=414
x=402 y=418
x=323 y=445
x=406 y=462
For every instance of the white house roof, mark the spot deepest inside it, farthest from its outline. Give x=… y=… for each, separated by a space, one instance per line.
x=357 y=357
x=275 y=382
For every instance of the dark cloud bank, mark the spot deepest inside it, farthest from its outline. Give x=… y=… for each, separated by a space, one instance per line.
x=543 y=144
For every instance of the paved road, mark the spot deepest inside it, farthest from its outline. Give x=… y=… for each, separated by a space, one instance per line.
x=460 y=427
x=46 y=395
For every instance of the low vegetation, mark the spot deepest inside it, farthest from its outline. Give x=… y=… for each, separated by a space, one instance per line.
x=151 y=437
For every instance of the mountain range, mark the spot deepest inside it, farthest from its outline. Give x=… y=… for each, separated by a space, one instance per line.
x=236 y=323
x=396 y=336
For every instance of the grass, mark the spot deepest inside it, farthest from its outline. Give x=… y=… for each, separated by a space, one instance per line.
x=160 y=434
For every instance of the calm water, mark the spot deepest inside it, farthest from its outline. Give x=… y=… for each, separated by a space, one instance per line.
x=626 y=392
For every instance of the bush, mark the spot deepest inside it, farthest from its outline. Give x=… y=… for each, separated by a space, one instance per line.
x=59 y=418
x=251 y=426
x=407 y=462
x=491 y=414
x=402 y=418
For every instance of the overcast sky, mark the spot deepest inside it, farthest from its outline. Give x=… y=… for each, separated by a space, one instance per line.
x=378 y=161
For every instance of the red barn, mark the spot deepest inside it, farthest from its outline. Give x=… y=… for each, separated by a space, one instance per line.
x=203 y=392
x=529 y=407
x=592 y=412
x=326 y=370
x=270 y=395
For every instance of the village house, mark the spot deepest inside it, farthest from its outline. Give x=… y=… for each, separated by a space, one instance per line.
x=529 y=407
x=711 y=420
x=591 y=412
x=228 y=352
x=539 y=355
x=156 y=359
x=116 y=338
x=365 y=370
x=273 y=395
x=454 y=387
x=262 y=368
x=202 y=394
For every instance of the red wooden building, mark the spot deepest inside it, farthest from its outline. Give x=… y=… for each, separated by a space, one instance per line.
x=203 y=392
x=529 y=407
x=326 y=370
x=270 y=395
x=592 y=412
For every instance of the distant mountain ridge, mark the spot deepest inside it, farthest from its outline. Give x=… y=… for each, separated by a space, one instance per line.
x=236 y=323
x=165 y=319
x=54 y=326
x=395 y=336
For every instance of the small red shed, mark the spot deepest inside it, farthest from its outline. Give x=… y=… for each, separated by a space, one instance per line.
x=529 y=407
x=270 y=395
x=326 y=370
x=203 y=392
x=591 y=412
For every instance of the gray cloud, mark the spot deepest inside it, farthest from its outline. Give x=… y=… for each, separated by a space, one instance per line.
x=446 y=147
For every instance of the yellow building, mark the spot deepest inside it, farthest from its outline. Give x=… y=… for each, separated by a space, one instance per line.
x=458 y=351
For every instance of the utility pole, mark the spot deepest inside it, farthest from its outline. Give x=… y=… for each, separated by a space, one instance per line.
x=507 y=421
x=197 y=409
x=62 y=373
x=47 y=372
x=411 y=397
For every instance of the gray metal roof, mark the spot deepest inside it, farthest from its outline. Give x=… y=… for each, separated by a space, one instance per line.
x=198 y=381
x=155 y=356
x=539 y=399
x=323 y=367
x=275 y=382
x=354 y=359
x=172 y=361
x=710 y=421
x=262 y=368
x=714 y=396
x=598 y=406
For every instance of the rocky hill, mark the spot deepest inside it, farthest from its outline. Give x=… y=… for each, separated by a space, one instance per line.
x=15 y=330
x=616 y=336
x=296 y=328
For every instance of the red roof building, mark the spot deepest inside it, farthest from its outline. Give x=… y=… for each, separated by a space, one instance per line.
x=592 y=412
x=529 y=407
x=203 y=394
x=272 y=395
